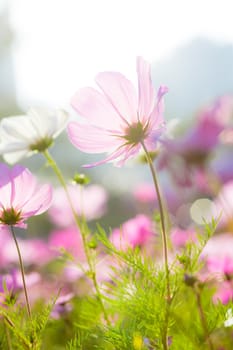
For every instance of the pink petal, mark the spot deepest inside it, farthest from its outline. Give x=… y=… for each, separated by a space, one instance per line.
x=157 y=113
x=39 y=202
x=146 y=93
x=113 y=156
x=129 y=152
x=96 y=108
x=5 y=186
x=121 y=93
x=153 y=137
x=91 y=139
x=23 y=185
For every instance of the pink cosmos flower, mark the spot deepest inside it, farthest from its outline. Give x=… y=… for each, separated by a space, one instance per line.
x=145 y=193
x=89 y=201
x=222 y=168
x=224 y=293
x=224 y=205
x=62 y=306
x=34 y=251
x=14 y=283
x=117 y=121
x=187 y=156
x=180 y=238
x=219 y=246
x=70 y=239
x=21 y=196
x=134 y=232
x=222 y=264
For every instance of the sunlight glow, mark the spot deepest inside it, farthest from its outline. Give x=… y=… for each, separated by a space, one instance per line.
x=61 y=45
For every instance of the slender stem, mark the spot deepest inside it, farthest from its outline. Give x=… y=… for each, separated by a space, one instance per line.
x=8 y=338
x=164 y=240
x=81 y=224
x=162 y=217
x=22 y=272
x=203 y=319
x=59 y=175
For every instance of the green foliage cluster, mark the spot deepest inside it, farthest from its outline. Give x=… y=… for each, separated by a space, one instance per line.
x=139 y=313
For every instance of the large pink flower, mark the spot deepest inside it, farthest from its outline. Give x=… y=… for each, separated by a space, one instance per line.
x=117 y=120
x=21 y=196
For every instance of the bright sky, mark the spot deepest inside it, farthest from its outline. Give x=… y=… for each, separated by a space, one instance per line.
x=62 y=44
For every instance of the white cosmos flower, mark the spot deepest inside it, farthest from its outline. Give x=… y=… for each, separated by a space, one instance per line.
x=23 y=135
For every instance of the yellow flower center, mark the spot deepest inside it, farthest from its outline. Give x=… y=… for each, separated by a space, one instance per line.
x=41 y=145
x=135 y=133
x=10 y=216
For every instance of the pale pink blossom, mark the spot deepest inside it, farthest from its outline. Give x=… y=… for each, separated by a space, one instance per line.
x=62 y=306
x=21 y=196
x=220 y=264
x=222 y=168
x=14 y=282
x=186 y=156
x=224 y=293
x=117 y=120
x=218 y=255
x=89 y=201
x=224 y=204
x=69 y=239
x=134 y=232
x=145 y=193
x=219 y=246
x=106 y=266
x=34 y=251
x=180 y=238
x=73 y=272
x=227 y=136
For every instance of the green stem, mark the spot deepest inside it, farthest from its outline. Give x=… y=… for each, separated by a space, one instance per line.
x=8 y=338
x=59 y=175
x=162 y=216
x=203 y=319
x=22 y=272
x=164 y=241
x=80 y=224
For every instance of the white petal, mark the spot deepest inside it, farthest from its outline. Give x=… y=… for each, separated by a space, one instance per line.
x=46 y=122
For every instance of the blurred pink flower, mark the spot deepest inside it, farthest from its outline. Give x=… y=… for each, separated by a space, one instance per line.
x=34 y=251
x=220 y=264
x=186 y=156
x=180 y=238
x=227 y=136
x=106 y=266
x=222 y=168
x=14 y=282
x=145 y=193
x=134 y=232
x=21 y=196
x=224 y=293
x=218 y=255
x=219 y=246
x=69 y=239
x=117 y=120
x=89 y=201
x=73 y=272
x=224 y=205
x=195 y=145
x=62 y=306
